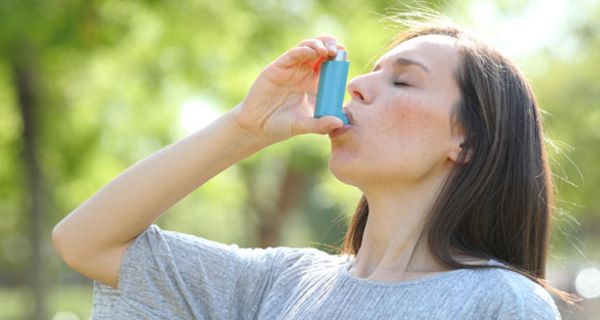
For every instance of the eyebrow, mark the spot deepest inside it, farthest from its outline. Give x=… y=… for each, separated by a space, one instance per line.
x=405 y=62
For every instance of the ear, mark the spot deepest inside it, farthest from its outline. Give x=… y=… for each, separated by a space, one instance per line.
x=456 y=150
x=458 y=146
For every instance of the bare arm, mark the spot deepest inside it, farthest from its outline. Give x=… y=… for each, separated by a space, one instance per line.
x=93 y=238
x=95 y=235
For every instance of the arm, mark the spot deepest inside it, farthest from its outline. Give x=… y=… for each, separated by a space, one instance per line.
x=95 y=235
x=93 y=238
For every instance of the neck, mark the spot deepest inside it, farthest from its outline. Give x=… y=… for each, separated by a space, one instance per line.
x=392 y=239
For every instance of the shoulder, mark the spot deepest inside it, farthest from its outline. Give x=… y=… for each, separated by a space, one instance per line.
x=517 y=296
x=191 y=248
x=305 y=256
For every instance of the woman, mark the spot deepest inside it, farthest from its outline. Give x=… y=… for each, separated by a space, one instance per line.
x=445 y=143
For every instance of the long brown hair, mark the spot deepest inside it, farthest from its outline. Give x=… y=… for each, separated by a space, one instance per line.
x=498 y=205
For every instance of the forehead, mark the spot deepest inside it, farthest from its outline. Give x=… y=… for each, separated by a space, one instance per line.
x=433 y=51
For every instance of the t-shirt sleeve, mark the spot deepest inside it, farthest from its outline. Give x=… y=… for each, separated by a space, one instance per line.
x=541 y=306
x=528 y=308
x=526 y=300
x=170 y=275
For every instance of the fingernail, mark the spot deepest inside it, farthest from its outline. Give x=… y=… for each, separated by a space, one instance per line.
x=332 y=47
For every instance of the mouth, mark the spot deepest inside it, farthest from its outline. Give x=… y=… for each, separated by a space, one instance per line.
x=351 y=122
x=350 y=117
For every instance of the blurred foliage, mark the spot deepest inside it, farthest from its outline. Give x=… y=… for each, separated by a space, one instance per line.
x=115 y=77
x=76 y=299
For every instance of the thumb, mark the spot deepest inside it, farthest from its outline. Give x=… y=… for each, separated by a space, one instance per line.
x=321 y=125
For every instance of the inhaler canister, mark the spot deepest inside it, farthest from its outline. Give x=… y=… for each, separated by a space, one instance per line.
x=332 y=87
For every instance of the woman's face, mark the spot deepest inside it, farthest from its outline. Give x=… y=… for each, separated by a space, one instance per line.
x=401 y=130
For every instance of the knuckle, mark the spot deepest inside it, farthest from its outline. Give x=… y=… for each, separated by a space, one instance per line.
x=327 y=39
x=314 y=43
x=308 y=42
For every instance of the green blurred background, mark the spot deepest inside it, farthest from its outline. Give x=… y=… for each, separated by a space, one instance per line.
x=87 y=88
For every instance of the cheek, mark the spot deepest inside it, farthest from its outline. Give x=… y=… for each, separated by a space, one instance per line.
x=412 y=130
x=413 y=121
x=401 y=141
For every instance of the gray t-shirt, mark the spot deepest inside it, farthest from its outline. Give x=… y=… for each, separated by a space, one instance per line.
x=170 y=275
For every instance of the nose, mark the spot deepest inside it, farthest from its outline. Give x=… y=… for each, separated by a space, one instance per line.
x=357 y=87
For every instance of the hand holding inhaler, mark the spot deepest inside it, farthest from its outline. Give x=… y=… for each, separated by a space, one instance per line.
x=280 y=103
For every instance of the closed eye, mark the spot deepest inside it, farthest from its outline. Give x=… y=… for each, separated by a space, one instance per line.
x=401 y=84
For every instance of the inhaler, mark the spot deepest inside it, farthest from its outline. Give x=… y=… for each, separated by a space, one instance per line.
x=332 y=87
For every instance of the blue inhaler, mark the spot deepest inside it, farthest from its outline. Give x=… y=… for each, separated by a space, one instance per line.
x=332 y=87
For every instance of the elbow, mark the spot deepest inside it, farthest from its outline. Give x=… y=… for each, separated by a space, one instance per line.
x=72 y=246
x=61 y=245
x=58 y=240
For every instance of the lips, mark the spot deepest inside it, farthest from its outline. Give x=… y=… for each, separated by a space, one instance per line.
x=340 y=131
x=349 y=115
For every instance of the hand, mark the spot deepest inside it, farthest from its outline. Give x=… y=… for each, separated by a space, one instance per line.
x=281 y=102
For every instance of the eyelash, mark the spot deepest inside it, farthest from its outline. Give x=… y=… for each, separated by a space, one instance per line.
x=401 y=84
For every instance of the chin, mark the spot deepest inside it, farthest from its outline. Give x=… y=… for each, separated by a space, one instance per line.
x=343 y=171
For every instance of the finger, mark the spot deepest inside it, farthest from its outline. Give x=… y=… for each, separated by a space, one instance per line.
x=341 y=47
x=331 y=43
x=321 y=125
x=316 y=44
x=297 y=55
x=317 y=65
